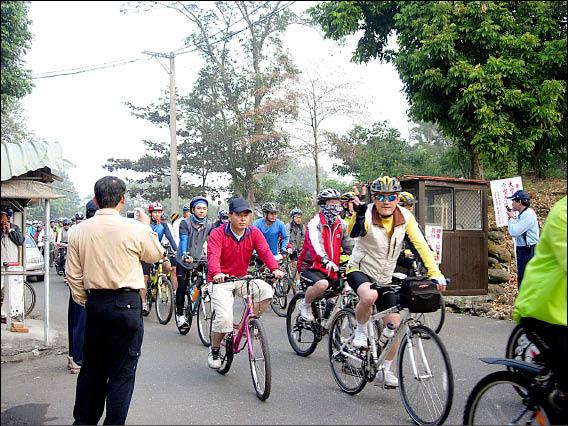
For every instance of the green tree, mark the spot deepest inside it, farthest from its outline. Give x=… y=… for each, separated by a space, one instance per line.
x=490 y=74
x=244 y=83
x=16 y=40
x=60 y=207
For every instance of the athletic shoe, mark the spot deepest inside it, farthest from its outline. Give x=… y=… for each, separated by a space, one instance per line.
x=213 y=361
x=306 y=311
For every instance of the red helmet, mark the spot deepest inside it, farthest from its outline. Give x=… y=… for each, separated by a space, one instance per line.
x=155 y=206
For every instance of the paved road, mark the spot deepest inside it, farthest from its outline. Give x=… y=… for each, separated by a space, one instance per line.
x=174 y=385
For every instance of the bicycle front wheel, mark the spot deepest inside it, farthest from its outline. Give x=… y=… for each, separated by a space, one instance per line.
x=502 y=398
x=259 y=360
x=164 y=300
x=204 y=319
x=301 y=333
x=347 y=368
x=29 y=298
x=425 y=376
x=434 y=320
x=280 y=298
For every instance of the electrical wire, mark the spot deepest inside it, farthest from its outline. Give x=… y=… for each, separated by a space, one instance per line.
x=180 y=51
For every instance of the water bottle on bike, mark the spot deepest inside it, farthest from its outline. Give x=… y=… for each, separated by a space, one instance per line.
x=387 y=334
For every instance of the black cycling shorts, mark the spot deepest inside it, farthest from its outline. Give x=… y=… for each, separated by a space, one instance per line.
x=311 y=276
x=387 y=297
x=173 y=261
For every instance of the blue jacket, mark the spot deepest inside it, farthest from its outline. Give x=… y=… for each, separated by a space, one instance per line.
x=162 y=229
x=524 y=228
x=273 y=233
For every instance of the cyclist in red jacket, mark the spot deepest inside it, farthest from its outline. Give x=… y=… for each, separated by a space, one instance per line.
x=229 y=251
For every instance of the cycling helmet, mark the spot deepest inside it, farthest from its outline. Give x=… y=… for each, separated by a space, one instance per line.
x=348 y=196
x=174 y=216
x=8 y=210
x=66 y=222
x=186 y=207
x=406 y=199
x=155 y=206
x=269 y=208
x=222 y=214
x=196 y=200
x=386 y=184
x=295 y=211
x=79 y=216
x=328 y=194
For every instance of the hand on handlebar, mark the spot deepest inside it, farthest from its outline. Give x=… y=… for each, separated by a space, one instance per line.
x=330 y=266
x=440 y=283
x=219 y=278
x=187 y=258
x=278 y=273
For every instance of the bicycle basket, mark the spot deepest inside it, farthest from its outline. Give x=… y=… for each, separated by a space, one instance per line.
x=419 y=294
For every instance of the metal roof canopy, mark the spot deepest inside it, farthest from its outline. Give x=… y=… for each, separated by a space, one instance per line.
x=27 y=190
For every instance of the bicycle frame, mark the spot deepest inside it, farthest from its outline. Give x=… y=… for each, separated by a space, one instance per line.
x=242 y=327
x=154 y=287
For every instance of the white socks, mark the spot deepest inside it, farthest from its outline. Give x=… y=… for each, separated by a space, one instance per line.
x=362 y=327
x=387 y=364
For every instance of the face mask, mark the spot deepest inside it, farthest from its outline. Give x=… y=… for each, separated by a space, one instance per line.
x=195 y=219
x=331 y=211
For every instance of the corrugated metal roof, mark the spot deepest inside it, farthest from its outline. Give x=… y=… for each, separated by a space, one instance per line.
x=19 y=158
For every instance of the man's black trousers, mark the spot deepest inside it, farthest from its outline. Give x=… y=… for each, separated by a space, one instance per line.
x=113 y=338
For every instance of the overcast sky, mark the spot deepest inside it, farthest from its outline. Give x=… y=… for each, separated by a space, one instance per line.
x=85 y=112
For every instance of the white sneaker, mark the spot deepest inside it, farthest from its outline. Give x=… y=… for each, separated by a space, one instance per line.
x=145 y=307
x=306 y=311
x=213 y=361
x=388 y=378
x=181 y=321
x=360 y=339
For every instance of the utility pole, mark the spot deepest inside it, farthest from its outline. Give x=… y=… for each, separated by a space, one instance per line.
x=173 y=143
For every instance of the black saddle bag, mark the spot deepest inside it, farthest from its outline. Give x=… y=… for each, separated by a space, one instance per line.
x=419 y=294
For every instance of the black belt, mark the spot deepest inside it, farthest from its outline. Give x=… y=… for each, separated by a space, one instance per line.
x=106 y=290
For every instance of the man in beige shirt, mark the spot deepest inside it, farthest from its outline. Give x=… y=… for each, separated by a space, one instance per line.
x=104 y=274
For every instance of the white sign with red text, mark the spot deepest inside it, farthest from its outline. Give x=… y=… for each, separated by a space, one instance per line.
x=500 y=190
x=434 y=237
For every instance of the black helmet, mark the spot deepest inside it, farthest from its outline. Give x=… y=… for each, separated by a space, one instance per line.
x=269 y=208
x=328 y=194
x=79 y=216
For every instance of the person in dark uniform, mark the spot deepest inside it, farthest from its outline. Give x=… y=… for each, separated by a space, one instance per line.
x=105 y=275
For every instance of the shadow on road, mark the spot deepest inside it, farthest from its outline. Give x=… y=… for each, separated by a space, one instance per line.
x=27 y=414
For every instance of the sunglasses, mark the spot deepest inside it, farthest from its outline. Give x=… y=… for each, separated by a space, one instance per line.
x=381 y=198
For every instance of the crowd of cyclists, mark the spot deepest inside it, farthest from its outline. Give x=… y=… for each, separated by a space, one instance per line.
x=372 y=230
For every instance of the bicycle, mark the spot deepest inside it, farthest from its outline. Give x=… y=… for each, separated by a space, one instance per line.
x=523 y=394
x=426 y=382
x=252 y=331
x=198 y=303
x=160 y=290
x=280 y=286
x=304 y=336
x=29 y=291
x=520 y=348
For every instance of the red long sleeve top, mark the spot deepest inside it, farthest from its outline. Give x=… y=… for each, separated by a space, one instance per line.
x=230 y=256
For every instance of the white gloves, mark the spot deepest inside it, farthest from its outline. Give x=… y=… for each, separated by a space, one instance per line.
x=441 y=281
x=330 y=266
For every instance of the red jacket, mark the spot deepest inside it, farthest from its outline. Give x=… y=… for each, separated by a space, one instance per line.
x=321 y=241
x=228 y=255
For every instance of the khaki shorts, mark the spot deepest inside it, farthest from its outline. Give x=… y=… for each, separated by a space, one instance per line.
x=223 y=298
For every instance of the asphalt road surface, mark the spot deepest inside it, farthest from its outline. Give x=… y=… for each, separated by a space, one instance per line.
x=175 y=386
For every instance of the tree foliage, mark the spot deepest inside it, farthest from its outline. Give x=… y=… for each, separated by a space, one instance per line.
x=241 y=93
x=16 y=40
x=490 y=74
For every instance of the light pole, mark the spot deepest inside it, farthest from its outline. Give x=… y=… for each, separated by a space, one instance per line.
x=173 y=143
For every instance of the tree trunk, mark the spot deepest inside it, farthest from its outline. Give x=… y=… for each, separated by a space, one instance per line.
x=249 y=189
x=476 y=170
x=316 y=163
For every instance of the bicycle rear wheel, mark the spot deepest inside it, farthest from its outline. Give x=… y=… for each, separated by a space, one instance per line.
x=259 y=360
x=347 y=369
x=519 y=347
x=226 y=354
x=204 y=318
x=503 y=398
x=301 y=334
x=280 y=298
x=428 y=391
x=29 y=298
x=164 y=300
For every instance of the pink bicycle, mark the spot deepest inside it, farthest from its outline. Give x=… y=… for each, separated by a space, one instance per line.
x=250 y=333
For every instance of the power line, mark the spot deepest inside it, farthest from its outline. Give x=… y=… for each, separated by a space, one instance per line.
x=179 y=51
